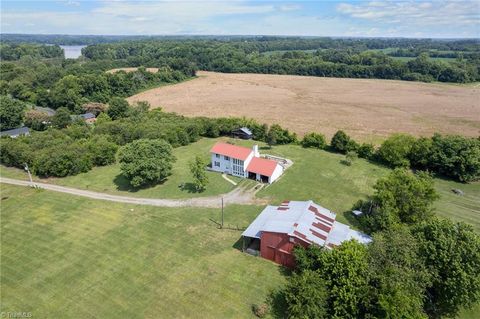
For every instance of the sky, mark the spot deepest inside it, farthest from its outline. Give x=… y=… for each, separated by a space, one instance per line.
x=408 y=18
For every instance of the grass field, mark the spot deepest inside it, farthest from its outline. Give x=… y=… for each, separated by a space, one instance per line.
x=70 y=257
x=67 y=256
x=320 y=176
x=464 y=208
x=108 y=179
x=317 y=175
x=367 y=109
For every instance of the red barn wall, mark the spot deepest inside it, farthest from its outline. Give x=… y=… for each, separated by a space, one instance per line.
x=278 y=248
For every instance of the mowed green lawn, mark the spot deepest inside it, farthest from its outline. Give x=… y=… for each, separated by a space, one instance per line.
x=315 y=174
x=108 y=179
x=465 y=207
x=320 y=176
x=64 y=256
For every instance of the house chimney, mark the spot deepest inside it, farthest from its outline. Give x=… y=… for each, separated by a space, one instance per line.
x=255 y=151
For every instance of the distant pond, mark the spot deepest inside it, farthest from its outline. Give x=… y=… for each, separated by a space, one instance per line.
x=72 y=51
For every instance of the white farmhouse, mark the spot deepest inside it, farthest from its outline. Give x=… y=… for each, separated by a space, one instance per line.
x=244 y=162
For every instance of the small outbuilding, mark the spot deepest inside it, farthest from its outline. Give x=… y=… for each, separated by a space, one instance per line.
x=243 y=133
x=16 y=132
x=278 y=229
x=88 y=118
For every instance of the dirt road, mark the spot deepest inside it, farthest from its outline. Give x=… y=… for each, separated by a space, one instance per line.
x=237 y=196
x=368 y=109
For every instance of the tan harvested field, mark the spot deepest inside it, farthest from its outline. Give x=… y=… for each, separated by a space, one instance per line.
x=152 y=70
x=367 y=109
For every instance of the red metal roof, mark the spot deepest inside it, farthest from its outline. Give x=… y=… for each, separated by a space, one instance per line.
x=233 y=151
x=317 y=213
x=262 y=166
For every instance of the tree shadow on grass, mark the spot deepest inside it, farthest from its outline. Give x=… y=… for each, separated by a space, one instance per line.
x=190 y=188
x=277 y=302
x=123 y=184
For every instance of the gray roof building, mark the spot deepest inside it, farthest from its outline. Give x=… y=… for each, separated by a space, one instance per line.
x=305 y=220
x=16 y=132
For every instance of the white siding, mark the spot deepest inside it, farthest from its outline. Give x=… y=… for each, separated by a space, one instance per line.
x=247 y=161
x=229 y=165
x=219 y=164
x=276 y=173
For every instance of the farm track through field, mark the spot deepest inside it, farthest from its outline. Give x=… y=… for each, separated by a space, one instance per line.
x=244 y=194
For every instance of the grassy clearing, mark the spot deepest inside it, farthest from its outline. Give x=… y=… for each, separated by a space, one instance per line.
x=69 y=257
x=317 y=175
x=320 y=176
x=108 y=179
x=464 y=208
x=66 y=256
x=471 y=313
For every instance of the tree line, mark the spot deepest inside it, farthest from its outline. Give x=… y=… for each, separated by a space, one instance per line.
x=68 y=83
x=453 y=156
x=68 y=146
x=331 y=58
x=12 y=52
x=259 y=43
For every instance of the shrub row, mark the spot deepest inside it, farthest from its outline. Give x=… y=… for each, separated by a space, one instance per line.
x=79 y=147
x=454 y=156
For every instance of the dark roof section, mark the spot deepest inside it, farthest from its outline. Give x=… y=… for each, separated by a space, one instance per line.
x=16 y=132
x=87 y=116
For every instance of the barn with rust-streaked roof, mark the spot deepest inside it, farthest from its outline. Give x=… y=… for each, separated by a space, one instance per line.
x=278 y=229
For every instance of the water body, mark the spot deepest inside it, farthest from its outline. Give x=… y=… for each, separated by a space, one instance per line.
x=72 y=51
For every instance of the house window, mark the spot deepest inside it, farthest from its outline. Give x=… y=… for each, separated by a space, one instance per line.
x=217 y=155
x=226 y=158
x=217 y=164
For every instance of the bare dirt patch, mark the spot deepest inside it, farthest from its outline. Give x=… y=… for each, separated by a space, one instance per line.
x=367 y=109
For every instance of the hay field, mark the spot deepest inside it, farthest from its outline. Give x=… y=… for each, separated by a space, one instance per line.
x=367 y=109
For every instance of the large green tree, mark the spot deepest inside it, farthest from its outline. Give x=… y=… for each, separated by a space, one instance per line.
x=401 y=197
x=396 y=149
x=68 y=93
x=451 y=251
x=344 y=271
x=306 y=296
x=117 y=108
x=398 y=276
x=199 y=173
x=62 y=118
x=102 y=151
x=144 y=162
x=11 y=113
x=315 y=140
x=456 y=156
x=342 y=143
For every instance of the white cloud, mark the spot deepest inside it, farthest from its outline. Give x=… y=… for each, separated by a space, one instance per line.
x=289 y=7
x=375 y=18
x=73 y=3
x=416 y=13
x=126 y=17
x=182 y=9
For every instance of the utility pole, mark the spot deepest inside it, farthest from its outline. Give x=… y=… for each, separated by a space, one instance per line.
x=29 y=174
x=221 y=227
